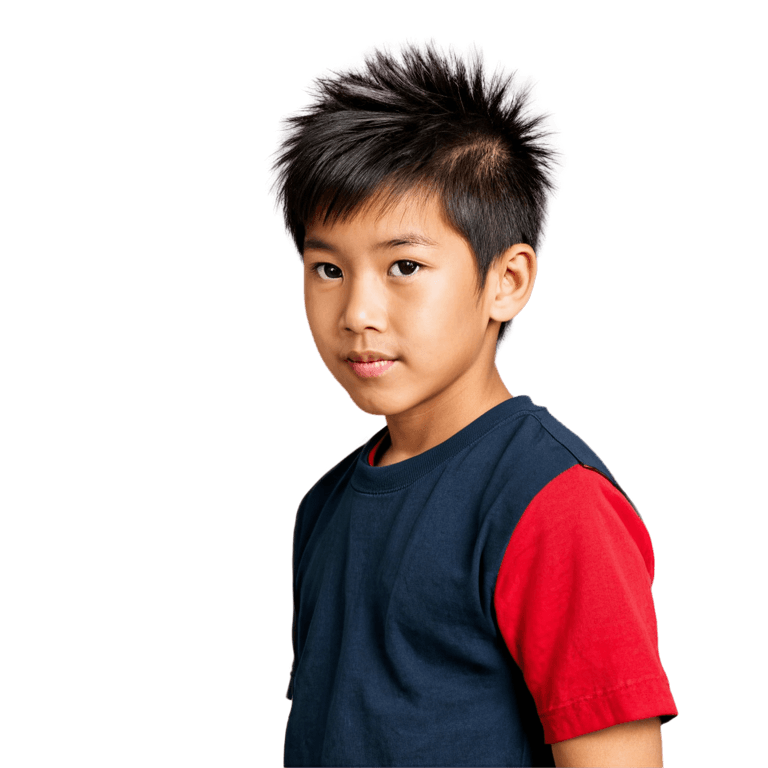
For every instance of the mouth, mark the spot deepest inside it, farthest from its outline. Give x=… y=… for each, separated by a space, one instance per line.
x=377 y=360
x=371 y=368
x=372 y=360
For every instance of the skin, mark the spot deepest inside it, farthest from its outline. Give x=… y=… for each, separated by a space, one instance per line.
x=635 y=744
x=432 y=321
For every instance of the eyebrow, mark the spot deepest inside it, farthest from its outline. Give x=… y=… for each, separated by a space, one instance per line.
x=407 y=238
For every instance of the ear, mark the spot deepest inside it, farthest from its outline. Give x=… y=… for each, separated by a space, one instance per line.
x=513 y=275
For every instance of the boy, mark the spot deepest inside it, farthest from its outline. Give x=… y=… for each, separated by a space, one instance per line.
x=471 y=586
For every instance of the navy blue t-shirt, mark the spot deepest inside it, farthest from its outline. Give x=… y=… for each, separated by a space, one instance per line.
x=398 y=655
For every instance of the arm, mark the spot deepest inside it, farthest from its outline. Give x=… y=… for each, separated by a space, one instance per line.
x=634 y=744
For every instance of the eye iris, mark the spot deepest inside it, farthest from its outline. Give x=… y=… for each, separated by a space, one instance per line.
x=326 y=267
x=405 y=268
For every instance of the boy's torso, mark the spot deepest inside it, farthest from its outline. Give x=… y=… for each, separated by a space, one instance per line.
x=399 y=658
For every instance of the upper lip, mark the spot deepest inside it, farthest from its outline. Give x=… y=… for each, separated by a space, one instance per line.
x=368 y=356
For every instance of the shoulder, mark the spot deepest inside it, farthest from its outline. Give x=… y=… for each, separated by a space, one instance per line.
x=582 y=510
x=333 y=476
x=552 y=435
x=522 y=434
x=332 y=483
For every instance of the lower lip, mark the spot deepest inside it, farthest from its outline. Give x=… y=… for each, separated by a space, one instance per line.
x=367 y=370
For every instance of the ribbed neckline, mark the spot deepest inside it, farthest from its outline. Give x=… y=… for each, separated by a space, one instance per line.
x=368 y=479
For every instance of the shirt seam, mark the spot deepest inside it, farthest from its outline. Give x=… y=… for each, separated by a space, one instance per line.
x=513 y=416
x=601 y=693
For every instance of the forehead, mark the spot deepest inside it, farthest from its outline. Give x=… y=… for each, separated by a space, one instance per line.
x=385 y=217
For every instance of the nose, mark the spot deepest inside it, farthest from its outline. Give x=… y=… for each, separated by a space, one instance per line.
x=365 y=306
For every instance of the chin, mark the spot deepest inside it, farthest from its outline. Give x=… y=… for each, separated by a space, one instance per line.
x=370 y=405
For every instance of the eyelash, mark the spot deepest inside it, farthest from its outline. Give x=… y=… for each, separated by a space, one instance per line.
x=316 y=268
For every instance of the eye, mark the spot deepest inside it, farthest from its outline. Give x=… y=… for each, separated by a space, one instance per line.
x=412 y=263
x=414 y=268
x=319 y=265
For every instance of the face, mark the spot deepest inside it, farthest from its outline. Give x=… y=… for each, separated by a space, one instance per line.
x=392 y=304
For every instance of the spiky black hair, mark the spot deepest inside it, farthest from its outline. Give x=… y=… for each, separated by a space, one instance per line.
x=424 y=121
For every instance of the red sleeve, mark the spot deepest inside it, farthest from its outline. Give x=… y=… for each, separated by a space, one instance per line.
x=573 y=601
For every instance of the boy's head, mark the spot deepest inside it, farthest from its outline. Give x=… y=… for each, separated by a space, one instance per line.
x=423 y=124
x=392 y=305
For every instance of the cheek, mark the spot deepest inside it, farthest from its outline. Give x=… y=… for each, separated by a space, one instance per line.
x=443 y=315
x=313 y=309
x=318 y=313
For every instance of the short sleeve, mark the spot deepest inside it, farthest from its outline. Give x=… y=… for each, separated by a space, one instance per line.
x=573 y=602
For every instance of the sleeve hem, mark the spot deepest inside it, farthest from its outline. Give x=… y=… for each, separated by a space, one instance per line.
x=638 y=701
